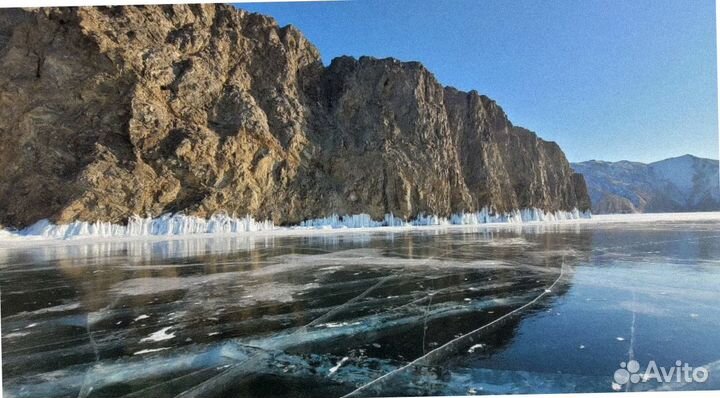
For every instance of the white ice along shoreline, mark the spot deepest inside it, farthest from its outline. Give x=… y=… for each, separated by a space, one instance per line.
x=184 y=225
x=485 y=216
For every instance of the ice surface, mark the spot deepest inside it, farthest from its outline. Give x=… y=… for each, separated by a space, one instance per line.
x=324 y=314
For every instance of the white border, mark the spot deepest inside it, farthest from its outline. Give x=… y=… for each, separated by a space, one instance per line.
x=57 y=3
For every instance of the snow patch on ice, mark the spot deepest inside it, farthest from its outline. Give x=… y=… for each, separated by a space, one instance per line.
x=15 y=334
x=475 y=347
x=160 y=335
x=149 y=350
x=53 y=309
x=337 y=324
x=339 y=364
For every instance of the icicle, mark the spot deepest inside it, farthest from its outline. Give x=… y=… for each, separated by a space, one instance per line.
x=167 y=225
x=221 y=223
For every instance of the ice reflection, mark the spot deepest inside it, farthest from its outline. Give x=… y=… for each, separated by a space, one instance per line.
x=150 y=249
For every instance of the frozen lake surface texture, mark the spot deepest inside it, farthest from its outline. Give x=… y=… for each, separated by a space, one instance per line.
x=438 y=311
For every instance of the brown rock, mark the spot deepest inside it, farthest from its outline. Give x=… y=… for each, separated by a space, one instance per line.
x=110 y=112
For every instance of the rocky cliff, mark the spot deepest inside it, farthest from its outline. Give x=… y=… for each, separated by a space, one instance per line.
x=110 y=112
x=685 y=183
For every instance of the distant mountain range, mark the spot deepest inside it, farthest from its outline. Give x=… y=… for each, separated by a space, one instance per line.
x=685 y=183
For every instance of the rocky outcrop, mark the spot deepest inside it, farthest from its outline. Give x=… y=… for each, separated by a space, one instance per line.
x=614 y=204
x=509 y=166
x=685 y=183
x=110 y=112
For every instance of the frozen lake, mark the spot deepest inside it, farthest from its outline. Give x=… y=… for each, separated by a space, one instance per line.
x=455 y=311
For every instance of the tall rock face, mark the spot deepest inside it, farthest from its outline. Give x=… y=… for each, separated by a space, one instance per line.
x=110 y=112
x=685 y=183
x=509 y=166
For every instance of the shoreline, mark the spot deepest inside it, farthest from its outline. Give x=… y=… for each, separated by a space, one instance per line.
x=14 y=241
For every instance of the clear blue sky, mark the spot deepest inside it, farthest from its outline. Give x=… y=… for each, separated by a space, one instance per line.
x=606 y=79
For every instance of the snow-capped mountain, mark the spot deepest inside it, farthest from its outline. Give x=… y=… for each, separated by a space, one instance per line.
x=685 y=183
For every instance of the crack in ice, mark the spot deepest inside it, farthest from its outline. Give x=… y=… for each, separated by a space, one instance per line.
x=417 y=361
